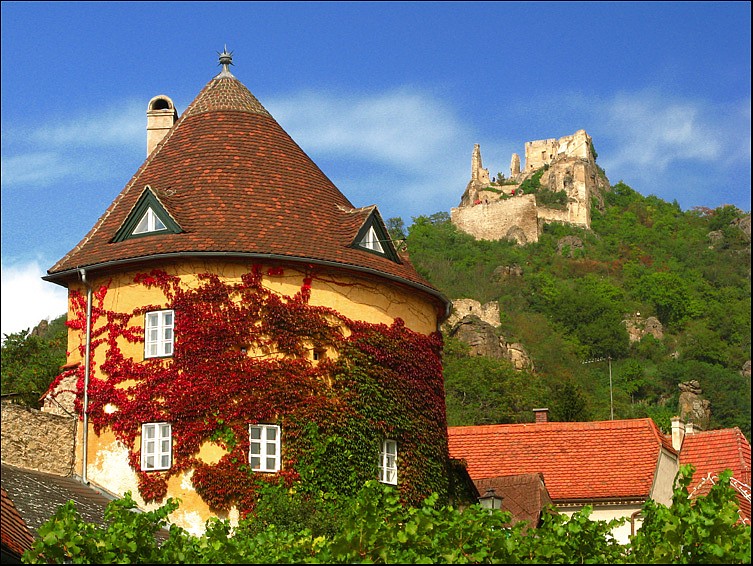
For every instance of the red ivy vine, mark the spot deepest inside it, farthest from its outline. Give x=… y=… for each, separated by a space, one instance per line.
x=242 y=356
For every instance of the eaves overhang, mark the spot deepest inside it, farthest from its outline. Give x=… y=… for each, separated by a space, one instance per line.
x=606 y=501
x=64 y=277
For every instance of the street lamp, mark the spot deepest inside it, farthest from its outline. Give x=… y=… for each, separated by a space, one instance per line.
x=490 y=500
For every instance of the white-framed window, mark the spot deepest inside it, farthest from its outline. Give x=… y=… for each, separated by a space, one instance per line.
x=156 y=446
x=158 y=334
x=264 y=449
x=150 y=222
x=388 y=462
x=371 y=241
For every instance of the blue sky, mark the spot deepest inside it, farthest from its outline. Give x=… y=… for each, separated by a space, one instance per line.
x=388 y=98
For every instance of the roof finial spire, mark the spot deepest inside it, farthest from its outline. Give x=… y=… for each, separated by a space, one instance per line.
x=226 y=59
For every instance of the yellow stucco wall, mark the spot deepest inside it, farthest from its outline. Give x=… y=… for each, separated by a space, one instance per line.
x=354 y=296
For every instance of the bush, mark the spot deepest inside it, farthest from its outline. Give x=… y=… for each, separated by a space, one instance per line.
x=375 y=527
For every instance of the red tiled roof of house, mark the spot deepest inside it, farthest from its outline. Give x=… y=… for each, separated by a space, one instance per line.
x=16 y=536
x=583 y=460
x=713 y=451
x=237 y=185
x=523 y=495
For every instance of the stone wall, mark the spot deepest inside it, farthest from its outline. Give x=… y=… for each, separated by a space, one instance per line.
x=37 y=441
x=487 y=212
x=518 y=216
x=544 y=152
x=574 y=176
x=461 y=308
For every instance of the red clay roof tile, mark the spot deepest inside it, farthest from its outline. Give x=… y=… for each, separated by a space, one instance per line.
x=236 y=183
x=585 y=460
x=713 y=451
x=15 y=533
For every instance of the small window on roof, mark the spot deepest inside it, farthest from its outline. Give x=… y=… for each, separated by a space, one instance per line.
x=150 y=222
x=148 y=216
x=374 y=238
x=371 y=241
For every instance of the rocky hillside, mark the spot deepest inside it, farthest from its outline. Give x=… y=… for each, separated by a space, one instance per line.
x=653 y=297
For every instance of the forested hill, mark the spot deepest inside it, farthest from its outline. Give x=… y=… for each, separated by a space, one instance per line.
x=567 y=302
x=570 y=298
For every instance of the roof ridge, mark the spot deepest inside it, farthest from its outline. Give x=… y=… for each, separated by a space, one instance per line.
x=664 y=440
x=616 y=424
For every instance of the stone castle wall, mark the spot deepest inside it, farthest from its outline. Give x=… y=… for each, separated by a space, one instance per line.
x=572 y=175
x=571 y=168
x=544 y=152
x=517 y=215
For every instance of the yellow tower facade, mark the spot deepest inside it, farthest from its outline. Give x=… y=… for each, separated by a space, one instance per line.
x=232 y=314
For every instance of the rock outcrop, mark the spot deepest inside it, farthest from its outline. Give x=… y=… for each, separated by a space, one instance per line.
x=477 y=326
x=638 y=327
x=693 y=407
x=570 y=243
x=480 y=336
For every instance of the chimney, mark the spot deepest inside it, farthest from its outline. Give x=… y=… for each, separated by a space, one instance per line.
x=160 y=117
x=689 y=427
x=678 y=433
x=541 y=415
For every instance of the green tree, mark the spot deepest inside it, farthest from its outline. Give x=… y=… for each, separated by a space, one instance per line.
x=481 y=390
x=375 y=527
x=396 y=228
x=705 y=530
x=669 y=294
x=31 y=361
x=569 y=403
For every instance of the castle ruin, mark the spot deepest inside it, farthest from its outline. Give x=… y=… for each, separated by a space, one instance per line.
x=556 y=184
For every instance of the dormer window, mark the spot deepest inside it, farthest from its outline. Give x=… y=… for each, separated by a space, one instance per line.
x=371 y=241
x=374 y=238
x=148 y=217
x=150 y=222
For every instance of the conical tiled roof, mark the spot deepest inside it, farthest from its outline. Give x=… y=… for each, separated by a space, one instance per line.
x=236 y=184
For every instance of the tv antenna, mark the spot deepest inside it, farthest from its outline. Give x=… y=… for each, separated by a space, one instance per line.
x=611 y=398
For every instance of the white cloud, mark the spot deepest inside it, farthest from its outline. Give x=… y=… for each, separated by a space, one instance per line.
x=404 y=150
x=27 y=299
x=80 y=146
x=120 y=125
x=652 y=131
x=693 y=150
x=403 y=128
x=649 y=130
x=37 y=168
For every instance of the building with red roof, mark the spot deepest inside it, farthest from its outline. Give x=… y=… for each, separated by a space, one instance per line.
x=614 y=466
x=713 y=451
x=15 y=536
x=230 y=301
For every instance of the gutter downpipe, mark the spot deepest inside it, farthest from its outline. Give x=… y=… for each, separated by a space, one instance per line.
x=633 y=518
x=87 y=371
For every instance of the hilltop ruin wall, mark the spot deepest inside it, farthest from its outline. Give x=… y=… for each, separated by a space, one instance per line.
x=493 y=210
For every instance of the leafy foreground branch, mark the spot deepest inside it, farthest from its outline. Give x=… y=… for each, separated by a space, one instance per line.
x=375 y=528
